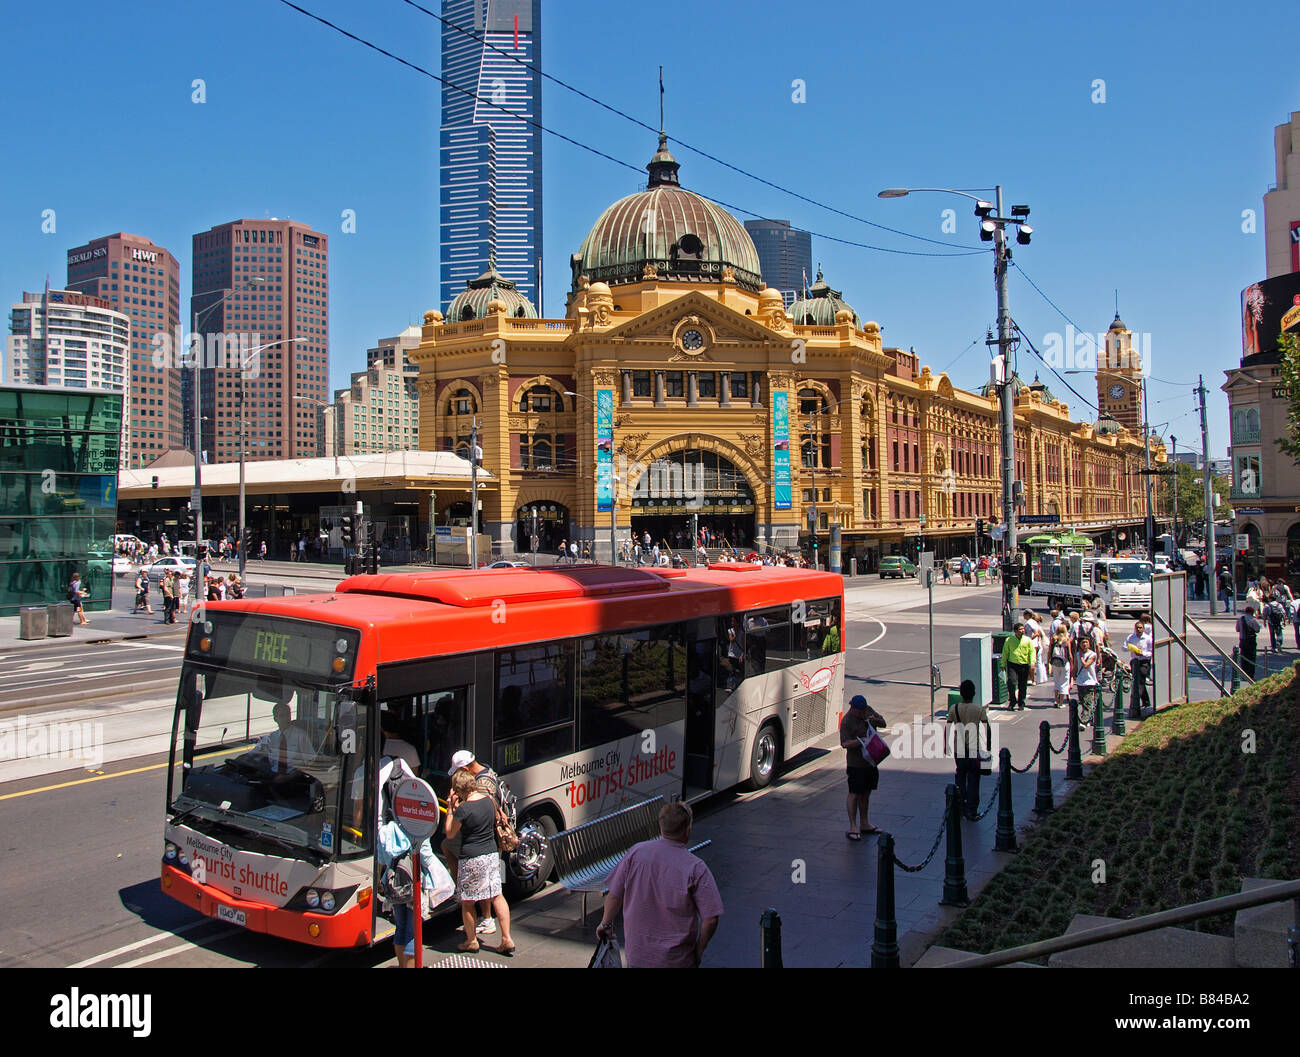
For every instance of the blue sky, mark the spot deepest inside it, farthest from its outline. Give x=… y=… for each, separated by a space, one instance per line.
x=1143 y=192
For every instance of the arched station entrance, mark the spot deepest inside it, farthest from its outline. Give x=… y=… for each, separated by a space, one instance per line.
x=690 y=491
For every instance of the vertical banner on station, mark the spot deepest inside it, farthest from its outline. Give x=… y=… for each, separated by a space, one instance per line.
x=781 y=449
x=604 y=450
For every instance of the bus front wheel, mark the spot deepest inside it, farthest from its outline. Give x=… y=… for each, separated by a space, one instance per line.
x=765 y=757
x=528 y=868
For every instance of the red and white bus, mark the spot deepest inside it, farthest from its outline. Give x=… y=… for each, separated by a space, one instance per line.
x=587 y=689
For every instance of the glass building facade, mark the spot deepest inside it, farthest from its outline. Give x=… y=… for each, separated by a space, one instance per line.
x=58 y=494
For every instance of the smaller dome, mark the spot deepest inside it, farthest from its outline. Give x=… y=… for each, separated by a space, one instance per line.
x=1117 y=323
x=1107 y=425
x=475 y=301
x=821 y=307
x=1017 y=386
x=1041 y=389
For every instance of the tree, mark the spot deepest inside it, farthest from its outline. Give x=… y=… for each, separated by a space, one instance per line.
x=1289 y=376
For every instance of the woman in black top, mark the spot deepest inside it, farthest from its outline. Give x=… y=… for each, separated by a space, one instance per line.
x=471 y=813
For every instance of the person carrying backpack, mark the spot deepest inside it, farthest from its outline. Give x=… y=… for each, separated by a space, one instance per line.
x=1275 y=613
x=142 y=593
x=396 y=885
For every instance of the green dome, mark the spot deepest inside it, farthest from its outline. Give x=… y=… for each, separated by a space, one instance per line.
x=1017 y=384
x=473 y=301
x=683 y=235
x=1107 y=425
x=821 y=305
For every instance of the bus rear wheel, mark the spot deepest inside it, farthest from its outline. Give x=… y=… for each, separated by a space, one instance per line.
x=529 y=866
x=765 y=756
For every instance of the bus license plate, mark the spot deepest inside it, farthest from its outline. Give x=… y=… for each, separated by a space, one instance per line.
x=235 y=917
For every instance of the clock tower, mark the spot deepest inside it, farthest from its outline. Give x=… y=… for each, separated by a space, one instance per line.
x=1119 y=378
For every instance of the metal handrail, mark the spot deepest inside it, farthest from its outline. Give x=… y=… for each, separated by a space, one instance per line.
x=1217 y=648
x=1182 y=641
x=1275 y=893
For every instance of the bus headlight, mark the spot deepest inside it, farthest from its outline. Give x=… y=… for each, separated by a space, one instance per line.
x=338 y=665
x=327 y=901
x=184 y=860
x=169 y=853
x=341 y=646
x=313 y=898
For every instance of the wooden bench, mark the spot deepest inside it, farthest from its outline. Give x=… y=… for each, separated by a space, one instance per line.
x=586 y=855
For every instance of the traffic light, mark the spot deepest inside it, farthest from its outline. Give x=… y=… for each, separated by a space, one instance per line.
x=346 y=524
x=979 y=526
x=190 y=524
x=372 y=549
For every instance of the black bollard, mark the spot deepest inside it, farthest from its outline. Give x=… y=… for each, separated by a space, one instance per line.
x=1236 y=675
x=1073 y=759
x=1098 y=723
x=1043 y=802
x=1004 y=839
x=770 y=923
x=1119 y=726
x=954 y=873
x=884 y=948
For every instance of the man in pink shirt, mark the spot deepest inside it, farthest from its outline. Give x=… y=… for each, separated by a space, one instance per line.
x=668 y=898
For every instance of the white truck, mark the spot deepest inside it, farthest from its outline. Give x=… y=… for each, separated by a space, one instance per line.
x=1122 y=584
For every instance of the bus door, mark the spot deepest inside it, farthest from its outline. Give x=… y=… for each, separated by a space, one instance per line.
x=701 y=706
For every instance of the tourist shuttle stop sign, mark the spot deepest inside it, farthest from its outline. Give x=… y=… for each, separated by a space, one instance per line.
x=416 y=807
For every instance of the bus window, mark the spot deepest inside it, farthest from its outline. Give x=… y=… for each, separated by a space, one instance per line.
x=534 y=705
x=819 y=632
x=631 y=682
x=767 y=640
x=731 y=653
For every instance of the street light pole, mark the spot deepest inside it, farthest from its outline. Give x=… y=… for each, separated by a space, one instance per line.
x=473 y=493
x=1174 y=441
x=994 y=228
x=1010 y=581
x=243 y=437
x=196 y=349
x=1211 y=567
x=1146 y=428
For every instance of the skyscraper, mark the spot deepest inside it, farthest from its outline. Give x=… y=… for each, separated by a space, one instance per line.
x=142 y=281
x=67 y=339
x=490 y=157
x=1282 y=202
x=784 y=254
x=257 y=282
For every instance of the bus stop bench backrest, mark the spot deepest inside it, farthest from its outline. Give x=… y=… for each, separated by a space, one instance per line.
x=587 y=854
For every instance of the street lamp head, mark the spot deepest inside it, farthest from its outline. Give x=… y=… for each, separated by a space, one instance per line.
x=256 y=280
x=568 y=393
x=893 y=192
x=987 y=227
x=983 y=208
x=1024 y=234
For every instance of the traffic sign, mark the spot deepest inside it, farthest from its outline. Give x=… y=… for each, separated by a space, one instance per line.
x=415 y=806
x=922 y=521
x=1243 y=541
x=1039 y=519
x=1248 y=510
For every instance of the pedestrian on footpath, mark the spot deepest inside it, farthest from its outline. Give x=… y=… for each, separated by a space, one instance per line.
x=167 y=587
x=1087 y=679
x=1226 y=589
x=1295 y=621
x=1019 y=654
x=1062 y=657
x=1275 y=613
x=75 y=595
x=964 y=722
x=142 y=593
x=862 y=772
x=667 y=896
x=1139 y=647
x=1247 y=630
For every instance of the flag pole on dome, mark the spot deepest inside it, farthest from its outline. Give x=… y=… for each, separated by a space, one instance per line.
x=661 y=102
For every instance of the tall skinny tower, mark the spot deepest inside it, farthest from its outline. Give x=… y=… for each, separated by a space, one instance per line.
x=490 y=155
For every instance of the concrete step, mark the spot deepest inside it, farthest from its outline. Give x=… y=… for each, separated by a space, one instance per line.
x=1167 y=948
x=1260 y=932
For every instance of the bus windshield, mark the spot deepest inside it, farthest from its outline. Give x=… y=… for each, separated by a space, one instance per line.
x=274 y=758
x=1130 y=572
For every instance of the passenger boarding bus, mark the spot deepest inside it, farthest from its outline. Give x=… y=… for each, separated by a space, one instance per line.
x=587 y=689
